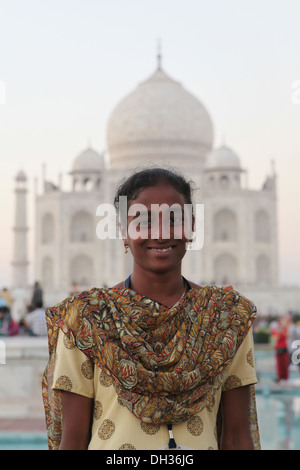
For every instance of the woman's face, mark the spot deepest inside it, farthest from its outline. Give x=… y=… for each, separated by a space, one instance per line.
x=155 y=232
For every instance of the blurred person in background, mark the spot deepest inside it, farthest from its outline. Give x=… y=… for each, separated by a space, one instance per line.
x=74 y=290
x=8 y=326
x=34 y=323
x=37 y=295
x=5 y=294
x=280 y=335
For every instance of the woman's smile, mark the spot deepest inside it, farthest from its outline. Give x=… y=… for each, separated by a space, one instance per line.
x=161 y=250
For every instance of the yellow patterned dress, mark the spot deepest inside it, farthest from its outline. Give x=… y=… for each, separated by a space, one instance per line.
x=146 y=366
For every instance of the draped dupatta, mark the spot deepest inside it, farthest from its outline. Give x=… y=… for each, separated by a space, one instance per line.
x=166 y=364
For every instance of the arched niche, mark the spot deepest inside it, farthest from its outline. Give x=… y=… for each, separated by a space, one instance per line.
x=47 y=270
x=262 y=226
x=82 y=227
x=225 y=269
x=225 y=226
x=47 y=229
x=263 y=270
x=82 y=270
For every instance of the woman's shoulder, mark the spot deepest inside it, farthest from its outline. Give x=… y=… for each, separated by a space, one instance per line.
x=212 y=288
x=225 y=296
x=77 y=300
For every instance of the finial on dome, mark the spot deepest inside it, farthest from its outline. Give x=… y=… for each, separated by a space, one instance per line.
x=273 y=166
x=158 y=54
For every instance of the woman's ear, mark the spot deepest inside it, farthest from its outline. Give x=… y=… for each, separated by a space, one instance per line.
x=123 y=232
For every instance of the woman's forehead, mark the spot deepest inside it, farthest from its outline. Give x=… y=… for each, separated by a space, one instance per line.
x=139 y=209
x=159 y=194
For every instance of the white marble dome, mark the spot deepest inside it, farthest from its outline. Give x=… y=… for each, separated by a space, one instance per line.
x=20 y=176
x=88 y=161
x=159 y=120
x=222 y=157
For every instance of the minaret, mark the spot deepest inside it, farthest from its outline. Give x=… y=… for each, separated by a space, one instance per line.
x=20 y=261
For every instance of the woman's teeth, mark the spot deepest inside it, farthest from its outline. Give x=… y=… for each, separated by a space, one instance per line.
x=161 y=250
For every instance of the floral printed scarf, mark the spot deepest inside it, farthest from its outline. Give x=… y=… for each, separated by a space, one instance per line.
x=166 y=363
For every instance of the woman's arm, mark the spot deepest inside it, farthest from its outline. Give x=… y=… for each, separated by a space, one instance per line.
x=76 y=421
x=236 y=431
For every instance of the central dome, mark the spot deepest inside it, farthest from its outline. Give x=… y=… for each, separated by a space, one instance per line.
x=159 y=121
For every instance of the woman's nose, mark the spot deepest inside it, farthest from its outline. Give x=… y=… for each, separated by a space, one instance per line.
x=160 y=229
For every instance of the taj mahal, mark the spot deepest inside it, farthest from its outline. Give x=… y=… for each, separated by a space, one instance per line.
x=159 y=123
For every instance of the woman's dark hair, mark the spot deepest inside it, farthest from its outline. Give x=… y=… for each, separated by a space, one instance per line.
x=139 y=180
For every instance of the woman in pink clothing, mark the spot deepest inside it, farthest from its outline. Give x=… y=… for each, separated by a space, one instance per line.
x=280 y=335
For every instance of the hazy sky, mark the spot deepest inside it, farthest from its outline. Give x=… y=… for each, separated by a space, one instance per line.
x=67 y=63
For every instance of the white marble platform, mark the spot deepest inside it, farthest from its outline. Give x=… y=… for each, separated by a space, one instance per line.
x=21 y=375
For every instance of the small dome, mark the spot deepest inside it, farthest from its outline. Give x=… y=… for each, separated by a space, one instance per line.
x=20 y=176
x=159 y=119
x=88 y=161
x=223 y=157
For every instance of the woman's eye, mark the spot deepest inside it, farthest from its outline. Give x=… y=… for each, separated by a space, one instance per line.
x=177 y=219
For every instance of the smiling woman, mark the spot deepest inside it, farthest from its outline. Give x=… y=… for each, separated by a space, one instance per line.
x=156 y=361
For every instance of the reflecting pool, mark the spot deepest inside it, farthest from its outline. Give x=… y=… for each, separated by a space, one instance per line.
x=279 y=421
x=23 y=441
x=278 y=406
x=278 y=417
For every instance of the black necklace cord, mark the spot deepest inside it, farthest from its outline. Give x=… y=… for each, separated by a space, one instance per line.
x=172 y=444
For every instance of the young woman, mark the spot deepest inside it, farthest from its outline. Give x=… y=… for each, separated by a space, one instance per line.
x=156 y=361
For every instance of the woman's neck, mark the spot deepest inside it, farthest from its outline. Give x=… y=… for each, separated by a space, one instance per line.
x=165 y=287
